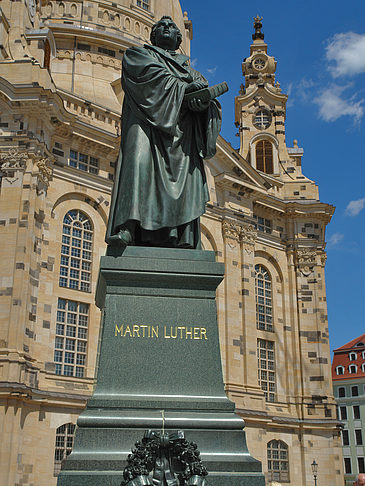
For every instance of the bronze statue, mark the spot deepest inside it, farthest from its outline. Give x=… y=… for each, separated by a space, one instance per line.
x=160 y=186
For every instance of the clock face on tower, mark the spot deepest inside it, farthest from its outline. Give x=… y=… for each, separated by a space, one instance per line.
x=31 y=8
x=259 y=63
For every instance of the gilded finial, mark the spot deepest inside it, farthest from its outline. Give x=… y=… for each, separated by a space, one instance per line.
x=257 y=24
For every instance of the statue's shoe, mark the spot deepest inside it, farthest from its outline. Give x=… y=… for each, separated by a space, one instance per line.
x=122 y=238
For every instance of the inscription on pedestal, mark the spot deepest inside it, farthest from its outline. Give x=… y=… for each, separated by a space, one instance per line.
x=161 y=332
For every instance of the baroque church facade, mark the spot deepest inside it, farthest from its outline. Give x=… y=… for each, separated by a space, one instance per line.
x=60 y=103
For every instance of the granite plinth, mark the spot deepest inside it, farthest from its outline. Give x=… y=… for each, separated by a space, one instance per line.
x=159 y=367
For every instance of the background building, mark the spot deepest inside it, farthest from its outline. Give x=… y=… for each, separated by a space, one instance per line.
x=60 y=99
x=348 y=375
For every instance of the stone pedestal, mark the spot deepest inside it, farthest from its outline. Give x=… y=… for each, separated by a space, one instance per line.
x=159 y=367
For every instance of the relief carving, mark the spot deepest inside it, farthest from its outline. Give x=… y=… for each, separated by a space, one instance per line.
x=306 y=260
x=248 y=237
x=45 y=174
x=12 y=161
x=231 y=231
x=244 y=233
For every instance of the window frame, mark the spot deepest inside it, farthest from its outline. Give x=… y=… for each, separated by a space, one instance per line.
x=83 y=162
x=76 y=258
x=264 y=299
x=339 y=393
x=71 y=338
x=264 y=373
x=356 y=413
x=338 y=368
x=347 y=462
x=352 y=356
x=352 y=369
x=280 y=456
x=358 y=437
x=66 y=432
x=345 y=434
x=264 y=152
x=343 y=412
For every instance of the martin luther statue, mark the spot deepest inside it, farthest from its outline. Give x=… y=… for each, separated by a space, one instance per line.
x=160 y=187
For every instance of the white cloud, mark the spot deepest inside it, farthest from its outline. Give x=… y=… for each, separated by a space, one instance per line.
x=193 y=62
x=355 y=207
x=335 y=238
x=212 y=70
x=332 y=104
x=347 y=52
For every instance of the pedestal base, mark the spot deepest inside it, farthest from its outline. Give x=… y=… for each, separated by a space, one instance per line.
x=159 y=368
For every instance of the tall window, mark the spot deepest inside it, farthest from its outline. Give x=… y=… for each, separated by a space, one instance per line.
x=264 y=156
x=64 y=442
x=358 y=436
x=144 y=4
x=353 y=356
x=354 y=391
x=361 y=464
x=277 y=461
x=266 y=368
x=353 y=369
x=71 y=338
x=345 y=438
x=263 y=299
x=348 y=468
x=76 y=251
x=84 y=162
x=340 y=370
x=356 y=412
x=343 y=413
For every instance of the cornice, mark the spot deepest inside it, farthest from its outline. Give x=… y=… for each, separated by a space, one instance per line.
x=19 y=391
x=278 y=420
x=85 y=179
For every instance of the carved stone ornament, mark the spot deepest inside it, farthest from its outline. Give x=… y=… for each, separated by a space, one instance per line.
x=45 y=172
x=231 y=230
x=164 y=458
x=306 y=260
x=244 y=233
x=248 y=237
x=12 y=161
x=323 y=258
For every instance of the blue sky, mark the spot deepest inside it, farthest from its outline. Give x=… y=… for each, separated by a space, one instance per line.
x=320 y=49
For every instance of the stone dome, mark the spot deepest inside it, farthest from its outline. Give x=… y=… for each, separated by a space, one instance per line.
x=91 y=37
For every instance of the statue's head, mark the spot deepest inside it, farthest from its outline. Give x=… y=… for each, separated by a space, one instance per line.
x=166 y=34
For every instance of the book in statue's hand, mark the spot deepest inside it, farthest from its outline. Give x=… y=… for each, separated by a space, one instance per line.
x=207 y=94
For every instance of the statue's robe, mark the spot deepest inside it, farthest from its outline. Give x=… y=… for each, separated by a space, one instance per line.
x=160 y=181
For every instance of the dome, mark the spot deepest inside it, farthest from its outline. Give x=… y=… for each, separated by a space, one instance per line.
x=91 y=37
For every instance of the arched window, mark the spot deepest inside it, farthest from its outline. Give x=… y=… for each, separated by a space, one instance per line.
x=63 y=447
x=353 y=369
x=353 y=356
x=264 y=156
x=277 y=461
x=340 y=370
x=263 y=292
x=76 y=251
x=363 y=367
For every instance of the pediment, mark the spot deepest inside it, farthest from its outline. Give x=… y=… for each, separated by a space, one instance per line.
x=230 y=169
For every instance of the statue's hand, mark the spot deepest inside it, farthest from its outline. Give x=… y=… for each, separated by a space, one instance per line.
x=195 y=86
x=195 y=104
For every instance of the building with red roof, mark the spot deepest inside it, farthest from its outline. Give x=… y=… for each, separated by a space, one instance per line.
x=348 y=375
